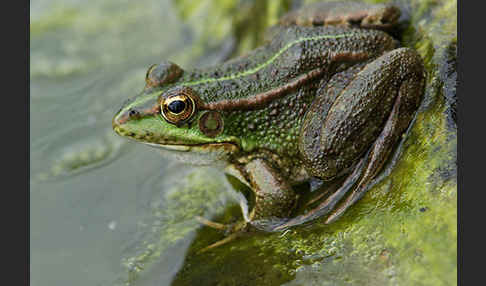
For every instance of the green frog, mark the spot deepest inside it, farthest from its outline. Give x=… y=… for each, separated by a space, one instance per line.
x=325 y=99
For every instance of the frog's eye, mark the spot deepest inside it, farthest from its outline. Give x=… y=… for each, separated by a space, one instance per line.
x=178 y=108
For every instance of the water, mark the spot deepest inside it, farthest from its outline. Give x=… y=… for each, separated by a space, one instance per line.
x=89 y=189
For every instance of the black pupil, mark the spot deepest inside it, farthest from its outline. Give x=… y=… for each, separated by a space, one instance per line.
x=177 y=106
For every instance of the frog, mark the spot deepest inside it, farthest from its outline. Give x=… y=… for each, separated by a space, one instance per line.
x=324 y=100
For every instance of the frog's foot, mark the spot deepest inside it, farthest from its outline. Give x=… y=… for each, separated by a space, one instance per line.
x=231 y=231
x=225 y=240
x=362 y=15
x=239 y=226
x=211 y=224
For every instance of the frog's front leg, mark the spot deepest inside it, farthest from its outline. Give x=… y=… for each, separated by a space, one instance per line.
x=273 y=200
x=355 y=132
x=274 y=197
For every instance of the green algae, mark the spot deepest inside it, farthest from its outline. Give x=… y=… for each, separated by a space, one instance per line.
x=62 y=17
x=198 y=192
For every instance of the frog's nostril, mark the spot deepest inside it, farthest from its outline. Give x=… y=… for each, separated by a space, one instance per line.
x=123 y=116
x=132 y=113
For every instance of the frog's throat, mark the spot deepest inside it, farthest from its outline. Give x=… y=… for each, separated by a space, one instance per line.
x=144 y=98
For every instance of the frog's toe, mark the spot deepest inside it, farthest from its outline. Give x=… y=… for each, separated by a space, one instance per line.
x=231 y=231
x=211 y=224
x=240 y=226
x=225 y=240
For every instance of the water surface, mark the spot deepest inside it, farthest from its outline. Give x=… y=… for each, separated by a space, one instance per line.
x=90 y=189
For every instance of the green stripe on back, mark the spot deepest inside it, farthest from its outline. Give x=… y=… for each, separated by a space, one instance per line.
x=147 y=97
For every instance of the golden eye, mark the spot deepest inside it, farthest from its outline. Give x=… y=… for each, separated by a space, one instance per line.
x=178 y=107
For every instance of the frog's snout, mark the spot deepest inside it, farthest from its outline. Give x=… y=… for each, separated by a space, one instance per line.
x=117 y=124
x=121 y=115
x=120 y=118
x=131 y=111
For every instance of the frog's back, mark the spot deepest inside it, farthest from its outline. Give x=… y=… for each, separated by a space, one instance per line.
x=293 y=53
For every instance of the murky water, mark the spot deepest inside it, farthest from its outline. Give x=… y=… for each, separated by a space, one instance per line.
x=90 y=189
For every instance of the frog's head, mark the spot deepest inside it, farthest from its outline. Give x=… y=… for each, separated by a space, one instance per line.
x=171 y=116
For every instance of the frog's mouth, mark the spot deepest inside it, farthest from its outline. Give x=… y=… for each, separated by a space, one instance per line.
x=179 y=142
x=198 y=154
x=228 y=147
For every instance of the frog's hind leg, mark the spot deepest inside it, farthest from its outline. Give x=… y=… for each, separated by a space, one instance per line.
x=374 y=109
x=375 y=159
x=357 y=14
